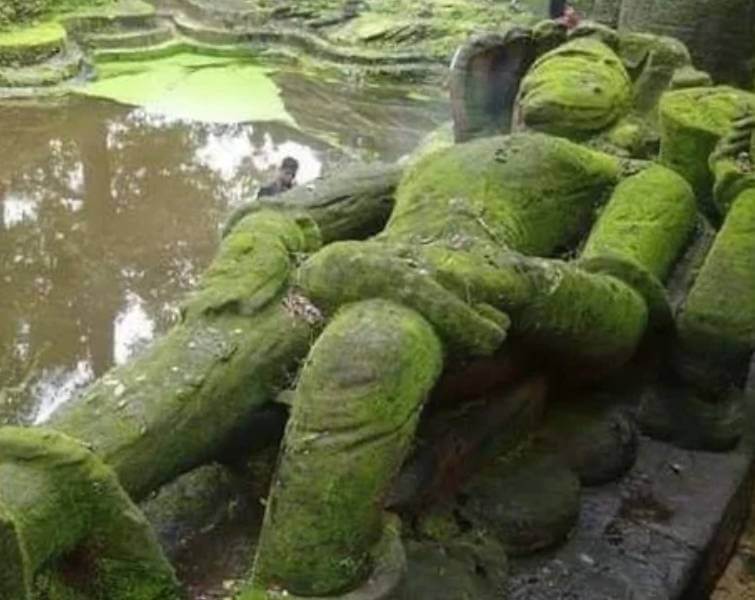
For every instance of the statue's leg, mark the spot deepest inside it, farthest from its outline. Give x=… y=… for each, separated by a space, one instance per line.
x=157 y=416
x=353 y=418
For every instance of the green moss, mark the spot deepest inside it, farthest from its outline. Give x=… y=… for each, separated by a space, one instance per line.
x=717 y=324
x=346 y=272
x=532 y=193
x=648 y=221
x=158 y=416
x=692 y=121
x=429 y=29
x=80 y=510
x=30 y=45
x=636 y=48
x=438 y=139
x=194 y=87
x=251 y=267
x=43 y=33
x=575 y=90
x=690 y=77
x=20 y=11
x=357 y=404
x=45 y=74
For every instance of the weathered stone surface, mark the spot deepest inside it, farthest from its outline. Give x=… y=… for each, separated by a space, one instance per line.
x=473 y=566
x=527 y=504
x=719 y=33
x=196 y=501
x=485 y=76
x=596 y=440
x=663 y=533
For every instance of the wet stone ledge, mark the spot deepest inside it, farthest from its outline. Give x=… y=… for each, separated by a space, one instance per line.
x=664 y=532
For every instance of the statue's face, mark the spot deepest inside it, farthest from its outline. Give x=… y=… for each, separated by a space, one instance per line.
x=576 y=90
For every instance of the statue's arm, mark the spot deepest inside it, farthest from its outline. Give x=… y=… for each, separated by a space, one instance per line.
x=352 y=204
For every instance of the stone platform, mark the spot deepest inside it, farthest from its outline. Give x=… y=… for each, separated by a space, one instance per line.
x=664 y=532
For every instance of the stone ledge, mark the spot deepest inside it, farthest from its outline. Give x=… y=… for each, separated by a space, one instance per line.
x=31 y=45
x=665 y=532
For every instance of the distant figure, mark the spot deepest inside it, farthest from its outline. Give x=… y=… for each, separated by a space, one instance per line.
x=563 y=12
x=285 y=181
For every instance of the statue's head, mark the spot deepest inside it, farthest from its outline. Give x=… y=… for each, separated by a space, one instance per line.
x=576 y=90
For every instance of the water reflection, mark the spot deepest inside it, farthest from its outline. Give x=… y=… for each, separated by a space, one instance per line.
x=108 y=215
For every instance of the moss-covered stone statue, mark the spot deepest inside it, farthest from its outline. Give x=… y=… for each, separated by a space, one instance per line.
x=357 y=294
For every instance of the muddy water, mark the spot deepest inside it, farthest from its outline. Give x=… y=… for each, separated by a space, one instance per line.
x=108 y=214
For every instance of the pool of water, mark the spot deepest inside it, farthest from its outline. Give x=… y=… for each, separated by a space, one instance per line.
x=109 y=213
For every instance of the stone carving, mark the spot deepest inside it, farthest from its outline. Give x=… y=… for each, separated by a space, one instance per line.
x=555 y=256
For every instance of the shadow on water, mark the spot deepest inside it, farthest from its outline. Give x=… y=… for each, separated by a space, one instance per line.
x=108 y=215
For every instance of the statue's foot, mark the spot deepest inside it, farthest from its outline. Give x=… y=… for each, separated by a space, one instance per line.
x=681 y=416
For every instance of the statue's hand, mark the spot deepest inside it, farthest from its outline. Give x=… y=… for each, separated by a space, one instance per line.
x=732 y=163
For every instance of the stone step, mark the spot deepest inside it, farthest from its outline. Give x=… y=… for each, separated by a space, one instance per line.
x=170 y=48
x=228 y=12
x=298 y=40
x=64 y=66
x=156 y=51
x=138 y=38
x=31 y=45
x=124 y=15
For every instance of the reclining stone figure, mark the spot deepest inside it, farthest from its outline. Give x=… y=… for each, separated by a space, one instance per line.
x=525 y=239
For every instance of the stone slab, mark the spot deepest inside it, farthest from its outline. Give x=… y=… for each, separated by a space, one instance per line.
x=664 y=532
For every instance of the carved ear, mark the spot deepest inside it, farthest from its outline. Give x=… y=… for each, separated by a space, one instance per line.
x=485 y=77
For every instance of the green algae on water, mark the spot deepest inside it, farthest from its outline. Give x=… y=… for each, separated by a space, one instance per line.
x=195 y=87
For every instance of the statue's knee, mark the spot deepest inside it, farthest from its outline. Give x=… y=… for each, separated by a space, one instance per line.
x=353 y=418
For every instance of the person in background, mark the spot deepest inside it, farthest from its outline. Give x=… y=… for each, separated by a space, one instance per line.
x=285 y=180
x=563 y=12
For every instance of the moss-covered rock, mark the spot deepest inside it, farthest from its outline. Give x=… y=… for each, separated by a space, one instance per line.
x=692 y=121
x=435 y=28
x=19 y=11
x=352 y=422
x=528 y=504
x=471 y=566
x=199 y=500
x=64 y=67
x=680 y=415
x=594 y=439
x=67 y=528
x=30 y=45
x=575 y=90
